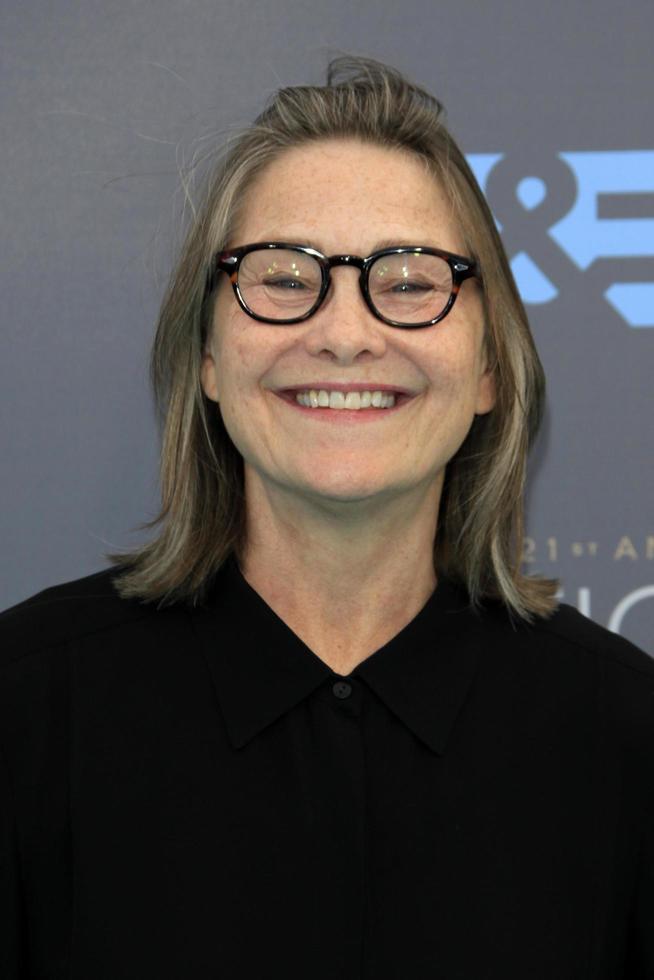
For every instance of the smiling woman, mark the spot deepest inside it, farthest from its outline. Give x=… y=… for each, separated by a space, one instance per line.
x=301 y=464
x=322 y=724
x=363 y=167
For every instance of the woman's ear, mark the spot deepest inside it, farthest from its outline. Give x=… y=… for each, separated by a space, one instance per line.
x=486 y=393
x=208 y=374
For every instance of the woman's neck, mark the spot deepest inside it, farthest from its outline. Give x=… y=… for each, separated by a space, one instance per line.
x=346 y=577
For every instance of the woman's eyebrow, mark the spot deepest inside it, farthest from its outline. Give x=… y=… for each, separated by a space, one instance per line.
x=399 y=242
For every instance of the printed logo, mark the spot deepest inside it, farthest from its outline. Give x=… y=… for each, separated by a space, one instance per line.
x=584 y=222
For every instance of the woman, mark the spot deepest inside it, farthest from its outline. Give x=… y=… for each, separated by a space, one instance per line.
x=322 y=725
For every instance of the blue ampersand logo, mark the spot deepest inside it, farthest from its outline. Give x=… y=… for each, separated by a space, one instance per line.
x=577 y=220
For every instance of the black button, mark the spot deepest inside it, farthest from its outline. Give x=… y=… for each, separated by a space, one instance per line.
x=342 y=689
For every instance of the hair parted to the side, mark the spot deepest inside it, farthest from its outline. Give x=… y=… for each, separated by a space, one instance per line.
x=480 y=536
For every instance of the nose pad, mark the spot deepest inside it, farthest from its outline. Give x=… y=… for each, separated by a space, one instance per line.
x=334 y=287
x=351 y=293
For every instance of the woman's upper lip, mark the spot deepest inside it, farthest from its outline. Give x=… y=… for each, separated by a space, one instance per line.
x=348 y=386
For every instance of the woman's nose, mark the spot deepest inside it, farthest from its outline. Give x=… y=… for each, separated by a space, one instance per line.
x=343 y=326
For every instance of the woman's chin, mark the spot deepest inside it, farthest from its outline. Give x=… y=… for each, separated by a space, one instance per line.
x=338 y=487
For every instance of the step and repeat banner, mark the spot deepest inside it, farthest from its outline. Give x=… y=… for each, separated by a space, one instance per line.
x=578 y=226
x=110 y=109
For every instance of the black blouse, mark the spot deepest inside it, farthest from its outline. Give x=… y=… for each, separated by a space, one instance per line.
x=195 y=794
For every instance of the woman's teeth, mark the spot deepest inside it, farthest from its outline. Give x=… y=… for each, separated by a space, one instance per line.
x=339 y=399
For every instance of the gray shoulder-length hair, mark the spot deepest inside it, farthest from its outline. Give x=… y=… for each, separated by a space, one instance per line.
x=479 y=542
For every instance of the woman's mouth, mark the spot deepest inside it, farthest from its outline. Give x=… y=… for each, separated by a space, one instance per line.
x=348 y=404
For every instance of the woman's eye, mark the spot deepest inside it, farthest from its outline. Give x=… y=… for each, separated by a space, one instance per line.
x=287 y=283
x=405 y=286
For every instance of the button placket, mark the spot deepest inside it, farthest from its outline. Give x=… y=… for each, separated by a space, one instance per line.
x=341 y=689
x=345 y=696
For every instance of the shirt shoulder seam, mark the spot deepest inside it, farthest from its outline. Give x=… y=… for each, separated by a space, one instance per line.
x=592 y=648
x=48 y=647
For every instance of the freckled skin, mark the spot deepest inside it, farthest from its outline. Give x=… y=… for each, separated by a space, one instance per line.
x=344 y=196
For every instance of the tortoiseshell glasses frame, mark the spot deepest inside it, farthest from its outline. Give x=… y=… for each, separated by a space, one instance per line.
x=229 y=262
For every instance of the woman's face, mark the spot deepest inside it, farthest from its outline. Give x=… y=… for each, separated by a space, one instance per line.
x=343 y=196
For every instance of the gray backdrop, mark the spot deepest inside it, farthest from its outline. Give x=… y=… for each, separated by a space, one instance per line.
x=103 y=103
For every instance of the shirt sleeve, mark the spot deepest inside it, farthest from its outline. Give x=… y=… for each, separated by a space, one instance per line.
x=12 y=924
x=640 y=944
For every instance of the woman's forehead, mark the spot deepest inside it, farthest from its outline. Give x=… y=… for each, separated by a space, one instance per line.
x=328 y=189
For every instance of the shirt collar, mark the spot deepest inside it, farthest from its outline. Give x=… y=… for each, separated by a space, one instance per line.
x=261 y=669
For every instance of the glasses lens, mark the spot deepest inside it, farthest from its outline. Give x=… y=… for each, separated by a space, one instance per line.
x=410 y=287
x=279 y=283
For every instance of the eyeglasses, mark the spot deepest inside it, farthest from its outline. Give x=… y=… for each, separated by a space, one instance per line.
x=408 y=286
